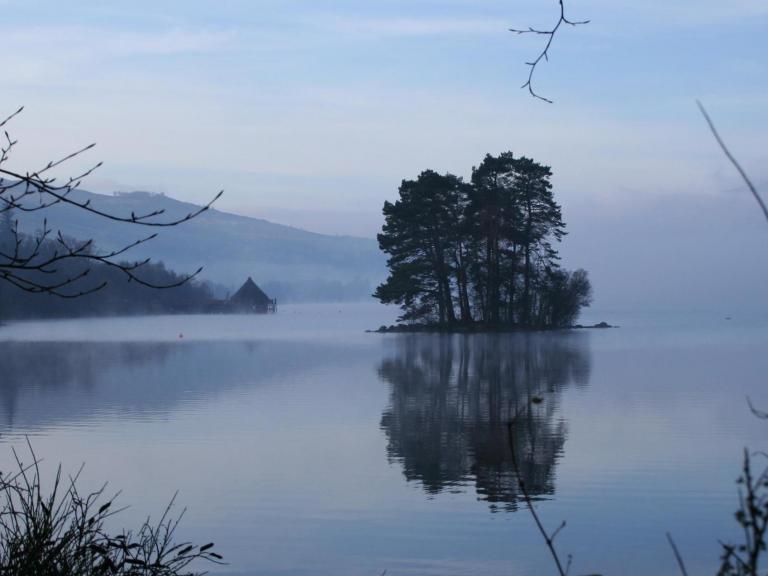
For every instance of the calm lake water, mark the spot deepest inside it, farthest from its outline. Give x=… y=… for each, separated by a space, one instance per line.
x=302 y=445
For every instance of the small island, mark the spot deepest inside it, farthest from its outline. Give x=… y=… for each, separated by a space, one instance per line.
x=480 y=255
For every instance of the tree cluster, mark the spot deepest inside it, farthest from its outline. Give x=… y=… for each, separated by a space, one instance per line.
x=480 y=252
x=21 y=252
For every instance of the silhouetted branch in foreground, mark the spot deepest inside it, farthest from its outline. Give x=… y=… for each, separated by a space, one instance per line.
x=733 y=160
x=758 y=413
x=549 y=538
x=63 y=533
x=43 y=263
x=744 y=559
x=544 y=54
x=678 y=556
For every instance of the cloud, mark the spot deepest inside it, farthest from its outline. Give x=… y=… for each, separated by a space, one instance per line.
x=73 y=40
x=62 y=55
x=678 y=13
x=414 y=27
x=174 y=41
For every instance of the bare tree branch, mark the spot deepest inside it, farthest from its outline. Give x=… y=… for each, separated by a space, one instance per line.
x=733 y=160
x=548 y=538
x=758 y=413
x=32 y=263
x=4 y=122
x=544 y=54
x=678 y=557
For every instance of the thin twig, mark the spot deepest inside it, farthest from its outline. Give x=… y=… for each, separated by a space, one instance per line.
x=758 y=413
x=733 y=160
x=678 y=557
x=548 y=538
x=544 y=54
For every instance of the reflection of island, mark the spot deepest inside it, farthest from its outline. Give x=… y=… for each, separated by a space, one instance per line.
x=451 y=400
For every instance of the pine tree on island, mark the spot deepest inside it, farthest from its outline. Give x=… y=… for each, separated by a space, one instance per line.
x=480 y=253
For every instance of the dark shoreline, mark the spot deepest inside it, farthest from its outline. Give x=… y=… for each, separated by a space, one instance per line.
x=478 y=328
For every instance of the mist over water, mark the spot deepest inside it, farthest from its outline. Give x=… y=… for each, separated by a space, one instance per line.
x=328 y=321
x=303 y=445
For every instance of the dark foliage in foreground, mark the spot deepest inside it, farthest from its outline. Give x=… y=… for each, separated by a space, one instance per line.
x=63 y=533
x=743 y=559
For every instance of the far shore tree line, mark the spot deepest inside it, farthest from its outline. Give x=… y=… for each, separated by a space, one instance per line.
x=480 y=252
x=120 y=296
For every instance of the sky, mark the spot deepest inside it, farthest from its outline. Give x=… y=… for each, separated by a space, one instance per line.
x=311 y=112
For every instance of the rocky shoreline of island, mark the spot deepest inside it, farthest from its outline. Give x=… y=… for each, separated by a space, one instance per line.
x=479 y=328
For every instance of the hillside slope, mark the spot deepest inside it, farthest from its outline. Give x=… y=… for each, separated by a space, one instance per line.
x=289 y=262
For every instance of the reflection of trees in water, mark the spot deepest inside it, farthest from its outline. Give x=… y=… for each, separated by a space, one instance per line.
x=451 y=400
x=56 y=365
x=42 y=383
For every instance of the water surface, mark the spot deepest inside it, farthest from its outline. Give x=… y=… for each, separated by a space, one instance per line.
x=303 y=445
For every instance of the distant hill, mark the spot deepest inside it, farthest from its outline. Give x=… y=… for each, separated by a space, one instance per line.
x=289 y=263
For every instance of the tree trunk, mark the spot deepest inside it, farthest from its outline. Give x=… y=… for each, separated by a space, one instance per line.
x=461 y=283
x=527 y=287
x=450 y=312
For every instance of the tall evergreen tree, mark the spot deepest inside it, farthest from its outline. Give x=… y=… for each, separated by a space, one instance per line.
x=421 y=235
x=494 y=221
x=541 y=221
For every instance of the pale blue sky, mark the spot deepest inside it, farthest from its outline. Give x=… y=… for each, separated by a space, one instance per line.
x=311 y=112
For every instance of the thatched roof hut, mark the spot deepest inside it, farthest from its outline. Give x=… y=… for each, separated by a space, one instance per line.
x=251 y=298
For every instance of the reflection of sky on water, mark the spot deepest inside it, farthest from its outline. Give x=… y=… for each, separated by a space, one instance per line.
x=352 y=453
x=80 y=381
